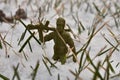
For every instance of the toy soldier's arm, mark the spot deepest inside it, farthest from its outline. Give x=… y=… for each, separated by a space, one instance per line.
x=40 y=27
x=72 y=46
x=71 y=43
x=49 y=37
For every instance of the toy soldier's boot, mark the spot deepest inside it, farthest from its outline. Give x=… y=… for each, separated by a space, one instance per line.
x=55 y=57
x=63 y=59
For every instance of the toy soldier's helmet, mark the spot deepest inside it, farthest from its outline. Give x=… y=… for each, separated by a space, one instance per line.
x=60 y=21
x=60 y=24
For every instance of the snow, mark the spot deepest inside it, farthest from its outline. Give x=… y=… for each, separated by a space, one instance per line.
x=13 y=35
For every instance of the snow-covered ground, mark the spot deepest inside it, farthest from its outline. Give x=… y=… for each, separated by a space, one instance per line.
x=85 y=15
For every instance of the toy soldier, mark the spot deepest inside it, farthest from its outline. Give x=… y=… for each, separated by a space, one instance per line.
x=61 y=38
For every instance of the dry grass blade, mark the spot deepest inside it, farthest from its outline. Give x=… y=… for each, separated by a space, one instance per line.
x=101 y=27
x=110 y=53
x=76 y=75
x=113 y=35
x=71 y=31
x=110 y=42
x=117 y=75
x=112 y=14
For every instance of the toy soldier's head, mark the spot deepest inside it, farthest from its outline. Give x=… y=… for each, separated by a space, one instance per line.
x=60 y=24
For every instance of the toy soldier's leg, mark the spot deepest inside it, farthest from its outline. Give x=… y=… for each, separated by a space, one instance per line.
x=63 y=59
x=62 y=55
x=55 y=56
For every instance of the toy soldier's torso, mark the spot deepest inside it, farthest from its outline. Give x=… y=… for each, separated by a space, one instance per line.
x=59 y=40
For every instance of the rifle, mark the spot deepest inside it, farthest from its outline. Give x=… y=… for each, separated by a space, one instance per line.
x=28 y=28
x=40 y=27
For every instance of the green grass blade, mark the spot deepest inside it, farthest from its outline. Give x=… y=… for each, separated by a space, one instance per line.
x=72 y=72
x=96 y=68
x=57 y=3
x=83 y=28
x=4 y=77
x=58 y=76
x=117 y=64
x=116 y=23
x=96 y=8
x=74 y=18
x=52 y=64
x=16 y=74
x=25 y=56
x=30 y=46
x=35 y=70
x=111 y=68
x=30 y=32
x=103 y=52
x=26 y=42
x=47 y=67
x=96 y=73
x=87 y=44
x=0 y=44
x=22 y=36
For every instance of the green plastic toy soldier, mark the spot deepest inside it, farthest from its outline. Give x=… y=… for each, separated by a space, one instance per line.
x=61 y=39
